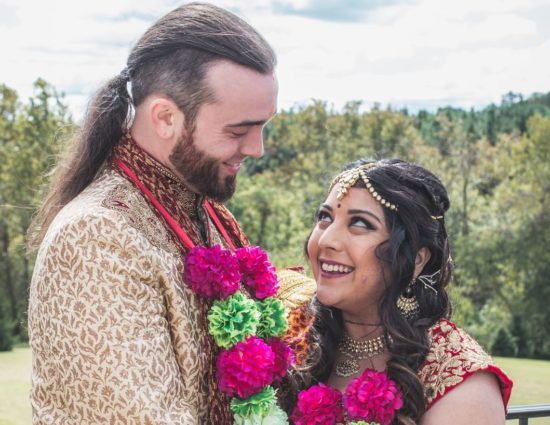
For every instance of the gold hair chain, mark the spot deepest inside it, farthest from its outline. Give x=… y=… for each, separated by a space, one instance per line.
x=349 y=178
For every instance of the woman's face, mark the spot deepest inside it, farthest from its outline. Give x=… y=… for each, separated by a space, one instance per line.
x=342 y=251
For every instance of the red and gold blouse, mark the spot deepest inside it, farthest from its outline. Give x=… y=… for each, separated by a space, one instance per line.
x=454 y=356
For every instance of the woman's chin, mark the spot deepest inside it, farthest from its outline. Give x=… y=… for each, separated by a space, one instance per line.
x=325 y=298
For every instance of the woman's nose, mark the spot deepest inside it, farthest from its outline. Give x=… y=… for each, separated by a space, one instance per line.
x=331 y=238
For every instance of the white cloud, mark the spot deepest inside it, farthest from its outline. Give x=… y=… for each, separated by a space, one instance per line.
x=428 y=52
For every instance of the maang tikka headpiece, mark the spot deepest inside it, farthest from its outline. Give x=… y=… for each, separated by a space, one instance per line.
x=349 y=178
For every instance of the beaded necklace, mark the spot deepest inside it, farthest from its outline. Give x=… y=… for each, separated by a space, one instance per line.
x=356 y=350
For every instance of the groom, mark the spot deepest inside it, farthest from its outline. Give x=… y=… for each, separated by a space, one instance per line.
x=117 y=335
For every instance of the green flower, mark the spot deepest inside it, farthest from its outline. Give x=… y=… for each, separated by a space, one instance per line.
x=273 y=320
x=363 y=423
x=260 y=409
x=258 y=404
x=233 y=320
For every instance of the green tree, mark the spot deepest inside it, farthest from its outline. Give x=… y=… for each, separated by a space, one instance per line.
x=504 y=344
x=30 y=135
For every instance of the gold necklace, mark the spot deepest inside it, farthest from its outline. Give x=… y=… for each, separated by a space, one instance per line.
x=356 y=350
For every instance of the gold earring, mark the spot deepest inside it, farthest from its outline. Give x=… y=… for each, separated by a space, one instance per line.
x=407 y=302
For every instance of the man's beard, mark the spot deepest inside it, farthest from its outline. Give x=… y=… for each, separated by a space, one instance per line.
x=201 y=171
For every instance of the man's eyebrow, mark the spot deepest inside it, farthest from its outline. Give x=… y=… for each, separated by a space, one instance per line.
x=247 y=123
x=365 y=212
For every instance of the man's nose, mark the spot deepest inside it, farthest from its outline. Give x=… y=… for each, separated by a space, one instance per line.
x=253 y=144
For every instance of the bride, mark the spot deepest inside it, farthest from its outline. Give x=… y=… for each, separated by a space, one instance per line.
x=377 y=344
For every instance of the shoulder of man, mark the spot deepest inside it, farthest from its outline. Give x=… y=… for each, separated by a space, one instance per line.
x=111 y=202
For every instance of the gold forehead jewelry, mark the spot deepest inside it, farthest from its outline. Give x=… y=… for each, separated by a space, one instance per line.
x=356 y=350
x=349 y=178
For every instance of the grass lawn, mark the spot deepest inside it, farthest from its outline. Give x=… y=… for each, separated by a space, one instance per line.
x=15 y=377
x=531 y=385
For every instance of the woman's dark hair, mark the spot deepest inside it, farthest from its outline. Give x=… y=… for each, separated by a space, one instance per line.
x=419 y=222
x=171 y=59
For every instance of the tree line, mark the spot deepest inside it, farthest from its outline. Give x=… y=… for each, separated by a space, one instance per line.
x=495 y=163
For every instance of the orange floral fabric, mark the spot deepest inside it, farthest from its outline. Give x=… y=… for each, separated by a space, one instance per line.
x=300 y=320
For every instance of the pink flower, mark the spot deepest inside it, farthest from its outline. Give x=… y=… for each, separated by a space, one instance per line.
x=373 y=396
x=258 y=273
x=284 y=358
x=246 y=368
x=318 y=405
x=212 y=272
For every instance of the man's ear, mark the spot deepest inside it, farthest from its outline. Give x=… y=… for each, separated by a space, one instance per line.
x=422 y=257
x=166 y=118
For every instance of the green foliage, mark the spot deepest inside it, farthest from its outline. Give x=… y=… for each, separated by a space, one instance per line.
x=29 y=140
x=504 y=344
x=494 y=163
x=6 y=340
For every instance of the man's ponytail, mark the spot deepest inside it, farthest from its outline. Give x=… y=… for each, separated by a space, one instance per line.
x=104 y=123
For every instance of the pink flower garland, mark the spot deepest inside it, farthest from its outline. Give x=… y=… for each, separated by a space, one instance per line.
x=215 y=273
x=318 y=405
x=372 y=397
x=246 y=368
x=212 y=272
x=257 y=272
x=284 y=358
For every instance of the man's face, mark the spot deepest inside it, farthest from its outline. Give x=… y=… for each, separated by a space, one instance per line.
x=226 y=131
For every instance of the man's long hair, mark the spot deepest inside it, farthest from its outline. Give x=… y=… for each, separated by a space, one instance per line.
x=171 y=59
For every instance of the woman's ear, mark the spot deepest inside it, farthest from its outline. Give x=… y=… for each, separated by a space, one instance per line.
x=422 y=257
x=166 y=118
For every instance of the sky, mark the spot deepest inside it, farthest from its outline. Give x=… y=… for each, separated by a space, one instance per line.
x=419 y=54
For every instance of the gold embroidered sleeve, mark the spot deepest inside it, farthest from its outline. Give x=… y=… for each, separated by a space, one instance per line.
x=453 y=357
x=296 y=288
x=102 y=351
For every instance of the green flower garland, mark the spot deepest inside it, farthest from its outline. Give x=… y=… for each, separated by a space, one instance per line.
x=233 y=320
x=273 y=320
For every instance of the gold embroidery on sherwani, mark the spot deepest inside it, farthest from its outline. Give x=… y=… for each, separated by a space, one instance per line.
x=138 y=213
x=453 y=356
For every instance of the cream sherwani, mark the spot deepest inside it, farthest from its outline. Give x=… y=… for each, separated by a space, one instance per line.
x=117 y=336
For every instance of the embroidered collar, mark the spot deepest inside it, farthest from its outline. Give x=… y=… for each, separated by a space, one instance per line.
x=186 y=206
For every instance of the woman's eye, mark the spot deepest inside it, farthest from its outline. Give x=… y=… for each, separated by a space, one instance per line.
x=361 y=222
x=324 y=217
x=236 y=135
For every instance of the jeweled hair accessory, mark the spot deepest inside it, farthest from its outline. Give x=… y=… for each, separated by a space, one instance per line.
x=430 y=280
x=349 y=178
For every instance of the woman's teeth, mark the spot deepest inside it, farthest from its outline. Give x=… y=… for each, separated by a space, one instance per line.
x=335 y=268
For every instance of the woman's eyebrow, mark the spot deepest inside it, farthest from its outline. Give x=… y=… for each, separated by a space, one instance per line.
x=356 y=211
